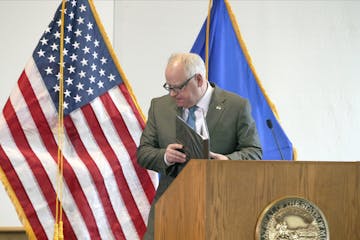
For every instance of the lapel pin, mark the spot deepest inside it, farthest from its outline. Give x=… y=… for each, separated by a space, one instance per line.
x=218 y=107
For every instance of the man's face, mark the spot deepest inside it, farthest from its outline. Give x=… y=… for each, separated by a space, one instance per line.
x=190 y=93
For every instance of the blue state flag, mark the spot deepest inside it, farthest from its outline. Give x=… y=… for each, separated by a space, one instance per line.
x=230 y=67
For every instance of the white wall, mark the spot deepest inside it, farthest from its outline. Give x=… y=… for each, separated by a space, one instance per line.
x=306 y=53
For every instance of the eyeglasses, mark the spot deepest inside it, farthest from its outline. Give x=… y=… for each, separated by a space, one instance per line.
x=177 y=89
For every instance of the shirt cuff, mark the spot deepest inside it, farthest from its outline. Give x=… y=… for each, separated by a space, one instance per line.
x=166 y=161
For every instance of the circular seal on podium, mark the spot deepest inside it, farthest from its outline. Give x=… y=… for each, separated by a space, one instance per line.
x=292 y=218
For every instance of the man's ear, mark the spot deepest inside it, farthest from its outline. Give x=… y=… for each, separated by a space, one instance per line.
x=199 y=79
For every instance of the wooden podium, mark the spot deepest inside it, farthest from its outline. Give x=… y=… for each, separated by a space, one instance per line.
x=224 y=199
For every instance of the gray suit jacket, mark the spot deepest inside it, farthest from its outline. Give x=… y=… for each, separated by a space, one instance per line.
x=231 y=127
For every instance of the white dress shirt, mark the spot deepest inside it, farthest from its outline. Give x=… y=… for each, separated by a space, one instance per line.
x=201 y=111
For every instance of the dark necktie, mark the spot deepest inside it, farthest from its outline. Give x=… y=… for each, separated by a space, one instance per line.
x=191 y=118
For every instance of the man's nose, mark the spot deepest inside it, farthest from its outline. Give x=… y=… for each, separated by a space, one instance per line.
x=173 y=93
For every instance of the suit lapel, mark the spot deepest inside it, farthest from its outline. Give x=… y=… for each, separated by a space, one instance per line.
x=179 y=111
x=216 y=109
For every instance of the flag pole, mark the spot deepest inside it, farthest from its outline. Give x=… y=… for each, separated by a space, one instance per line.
x=58 y=226
x=207 y=39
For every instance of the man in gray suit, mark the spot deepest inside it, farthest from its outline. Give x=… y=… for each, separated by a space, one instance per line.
x=232 y=130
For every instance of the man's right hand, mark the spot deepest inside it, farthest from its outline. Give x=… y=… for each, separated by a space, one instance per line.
x=173 y=155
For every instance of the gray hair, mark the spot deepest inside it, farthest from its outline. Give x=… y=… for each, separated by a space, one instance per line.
x=193 y=63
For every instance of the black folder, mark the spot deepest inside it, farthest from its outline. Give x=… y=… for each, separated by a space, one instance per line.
x=195 y=146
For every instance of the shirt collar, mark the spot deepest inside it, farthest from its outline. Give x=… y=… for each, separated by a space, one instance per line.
x=204 y=101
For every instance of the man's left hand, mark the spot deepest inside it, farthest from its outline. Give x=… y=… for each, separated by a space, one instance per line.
x=218 y=156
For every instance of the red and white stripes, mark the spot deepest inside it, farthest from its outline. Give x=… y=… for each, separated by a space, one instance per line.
x=106 y=194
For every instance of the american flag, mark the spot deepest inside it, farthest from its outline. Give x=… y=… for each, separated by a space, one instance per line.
x=106 y=194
